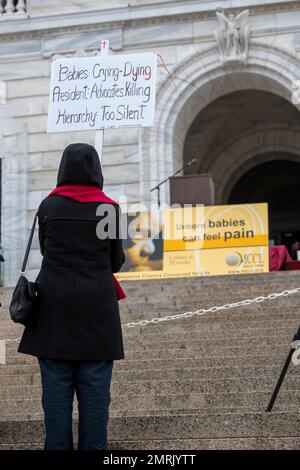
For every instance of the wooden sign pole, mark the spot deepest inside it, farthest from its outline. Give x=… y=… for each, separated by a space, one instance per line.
x=99 y=137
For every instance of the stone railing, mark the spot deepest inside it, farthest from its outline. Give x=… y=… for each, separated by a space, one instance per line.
x=12 y=9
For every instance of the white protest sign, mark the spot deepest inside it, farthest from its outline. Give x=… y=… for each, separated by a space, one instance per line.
x=99 y=92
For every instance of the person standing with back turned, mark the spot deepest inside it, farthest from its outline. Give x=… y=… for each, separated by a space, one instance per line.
x=77 y=334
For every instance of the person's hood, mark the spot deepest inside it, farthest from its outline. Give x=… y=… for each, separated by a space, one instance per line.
x=80 y=164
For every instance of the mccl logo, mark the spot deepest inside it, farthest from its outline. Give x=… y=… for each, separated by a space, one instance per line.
x=236 y=259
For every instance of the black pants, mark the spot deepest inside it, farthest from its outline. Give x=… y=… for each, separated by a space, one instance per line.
x=91 y=382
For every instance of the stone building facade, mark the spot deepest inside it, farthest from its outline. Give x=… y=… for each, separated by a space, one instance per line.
x=234 y=105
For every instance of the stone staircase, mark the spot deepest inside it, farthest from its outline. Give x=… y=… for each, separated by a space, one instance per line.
x=196 y=383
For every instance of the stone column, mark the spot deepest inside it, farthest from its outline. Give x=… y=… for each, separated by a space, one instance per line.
x=9 y=9
x=14 y=231
x=21 y=7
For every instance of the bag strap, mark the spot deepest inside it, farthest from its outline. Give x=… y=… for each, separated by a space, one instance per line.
x=28 y=245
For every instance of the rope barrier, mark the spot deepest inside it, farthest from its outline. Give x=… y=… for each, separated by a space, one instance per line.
x=214 y=309
x=199 y=312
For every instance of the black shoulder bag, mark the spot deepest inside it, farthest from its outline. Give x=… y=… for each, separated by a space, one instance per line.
x=24 y=299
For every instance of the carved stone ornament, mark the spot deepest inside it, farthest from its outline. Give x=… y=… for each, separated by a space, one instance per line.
x=79 y=53
x=296 y=92
x=233 y=36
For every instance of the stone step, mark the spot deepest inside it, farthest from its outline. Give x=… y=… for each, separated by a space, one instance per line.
x=194 y=372
x=177 y=385
x=145 y=289
x=192 y=344
x=233 y=320
x=170 y=292
x=136 y=309
x=183 y=331
x=180 y=426
x=199 y=363
x=189 y=329
x=277 y=443
x=252 y=313
x=32 y=410
x=257 y=400
x=146 y=293
x=151 y=345
x=16 y=360
x=204 y=299
x=287 y=276
x=256 y=311
x=268 y=310
x=186 y=324
x=210 y=352
x=271 y=309
x=238 y=313
x=277 y=351
x=221 y=402
x=266 y=374
x=159 y=363
x=184 y=367
x=266 y=378
x=280 y=443
x=176 y=301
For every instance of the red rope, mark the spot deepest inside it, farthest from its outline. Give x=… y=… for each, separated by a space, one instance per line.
x=166 y=68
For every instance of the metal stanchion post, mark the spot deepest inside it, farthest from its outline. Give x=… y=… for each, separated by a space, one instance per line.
x=295 y=344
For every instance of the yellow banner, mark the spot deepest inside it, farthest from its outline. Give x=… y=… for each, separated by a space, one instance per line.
x=201 y=241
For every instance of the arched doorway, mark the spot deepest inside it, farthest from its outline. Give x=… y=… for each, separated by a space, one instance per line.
x=249 y=142
x=276 y=182
x=241 y=130
x=241 y=113
x=201 y=80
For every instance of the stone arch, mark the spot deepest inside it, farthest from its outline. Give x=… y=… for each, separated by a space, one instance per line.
x=252 y=149
x=201 y=79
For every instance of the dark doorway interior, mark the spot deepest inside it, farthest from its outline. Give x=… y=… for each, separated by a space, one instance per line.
x=277 y=183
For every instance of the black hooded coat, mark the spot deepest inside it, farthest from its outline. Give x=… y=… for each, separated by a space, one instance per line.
x=77 y=316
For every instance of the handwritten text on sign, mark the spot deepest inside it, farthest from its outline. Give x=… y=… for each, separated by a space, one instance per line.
x=89 y=93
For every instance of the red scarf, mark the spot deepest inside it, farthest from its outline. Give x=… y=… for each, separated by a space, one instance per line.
x=85 y=193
